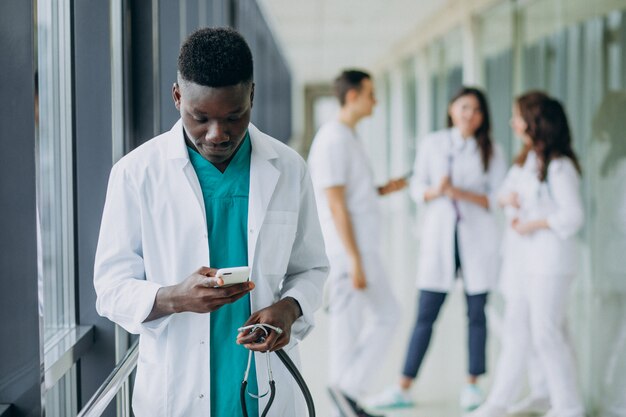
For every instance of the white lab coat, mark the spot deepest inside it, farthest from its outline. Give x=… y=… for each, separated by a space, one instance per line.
x=154 y=234
x=558 y=200
x=477 y=230
x=535 y=317
x=513 y=258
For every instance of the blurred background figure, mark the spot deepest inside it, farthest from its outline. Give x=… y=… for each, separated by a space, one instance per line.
x=512 y=277
x=457 y=173
x=549 y=216
x=363 y=310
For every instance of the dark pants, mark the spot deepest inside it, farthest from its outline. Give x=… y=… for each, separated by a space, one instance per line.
x=429 y=305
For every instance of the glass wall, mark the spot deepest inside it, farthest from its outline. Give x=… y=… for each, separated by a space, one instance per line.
x=445 y=58
x=496 y=38
x=55 y=200
x=576 y=51
x=54 y=153
x=409 y=103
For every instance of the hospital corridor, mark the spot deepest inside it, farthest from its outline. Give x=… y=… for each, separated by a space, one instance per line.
x=288 y=208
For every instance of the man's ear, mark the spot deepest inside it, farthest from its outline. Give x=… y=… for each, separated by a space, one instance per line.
x=351 y=95
x=176 y=95
x=252 y=95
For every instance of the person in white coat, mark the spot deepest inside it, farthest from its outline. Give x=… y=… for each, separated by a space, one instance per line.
x=164 y=230
x=549 y=216
x=363 y=310
x=457 y=174
x=511 y=277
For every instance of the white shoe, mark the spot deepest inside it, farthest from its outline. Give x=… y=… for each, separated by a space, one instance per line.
x=487 y=410
x=531 y=405
x=390 y=397
x=471 y=397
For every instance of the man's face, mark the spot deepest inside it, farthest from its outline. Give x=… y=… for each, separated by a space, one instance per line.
x=365 y=99
x=215 y=118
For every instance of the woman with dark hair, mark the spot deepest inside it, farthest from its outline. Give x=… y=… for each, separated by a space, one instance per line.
x=457 y=173
x=549 y=216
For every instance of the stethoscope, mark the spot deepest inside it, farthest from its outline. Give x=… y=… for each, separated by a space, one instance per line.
x=291 y=367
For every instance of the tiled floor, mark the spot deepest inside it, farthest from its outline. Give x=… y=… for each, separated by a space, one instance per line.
x=442 y=376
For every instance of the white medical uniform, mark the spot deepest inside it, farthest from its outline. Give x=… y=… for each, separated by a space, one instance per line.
x=337 y=158
x=446 y=153
x=536 y=310
x=511 y=272
x=154 y=234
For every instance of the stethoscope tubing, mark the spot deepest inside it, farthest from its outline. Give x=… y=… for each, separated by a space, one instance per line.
x=291 y=367
x=293 y=370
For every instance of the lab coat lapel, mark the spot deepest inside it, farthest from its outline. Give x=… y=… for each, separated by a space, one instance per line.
x=263 y=179
x=178 y=155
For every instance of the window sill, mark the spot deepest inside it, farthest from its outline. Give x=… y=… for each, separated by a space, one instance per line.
x=63 y=353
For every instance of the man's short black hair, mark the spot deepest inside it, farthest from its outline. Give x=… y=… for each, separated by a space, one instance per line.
x=349 y=80
x=215 y=57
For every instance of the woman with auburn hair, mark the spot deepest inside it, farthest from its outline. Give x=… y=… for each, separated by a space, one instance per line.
x=549 y=216
x=457 y=174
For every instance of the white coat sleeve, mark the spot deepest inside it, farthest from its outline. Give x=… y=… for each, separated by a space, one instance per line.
x=564 y=186
x=123 y=294
x=497 y=173
x=332 y=162
x=421 y=180
x=308 y=266
x=510 y=181
x=508 y=186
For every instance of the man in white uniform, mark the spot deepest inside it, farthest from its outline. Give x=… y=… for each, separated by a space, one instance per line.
x=154 y=270
x=363 y=310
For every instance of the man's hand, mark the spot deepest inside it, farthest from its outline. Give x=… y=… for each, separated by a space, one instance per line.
x=511 y=199
x=392 y=186
x=281 y=314
x=526 y=228
x=197 y=294
x=358 y=276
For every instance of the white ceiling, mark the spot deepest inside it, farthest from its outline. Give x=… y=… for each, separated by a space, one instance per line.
x=321 y=37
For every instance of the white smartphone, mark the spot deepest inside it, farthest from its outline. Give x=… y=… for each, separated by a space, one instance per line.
x=235 y=275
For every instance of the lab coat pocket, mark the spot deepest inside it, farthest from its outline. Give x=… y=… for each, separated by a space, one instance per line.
x=276 y=241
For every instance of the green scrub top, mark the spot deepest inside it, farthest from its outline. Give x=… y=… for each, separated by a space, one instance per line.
x=226 y=204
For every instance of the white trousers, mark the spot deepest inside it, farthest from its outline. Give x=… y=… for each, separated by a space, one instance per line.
x=362 y=323
x=536 y=378
x=535 y=320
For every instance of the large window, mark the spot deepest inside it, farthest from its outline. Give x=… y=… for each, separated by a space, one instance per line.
x=409 y=102
x=446 y=74
x=496 y=37
x=55 y=195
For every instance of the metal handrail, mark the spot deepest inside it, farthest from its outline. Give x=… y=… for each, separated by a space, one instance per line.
x=114 y=382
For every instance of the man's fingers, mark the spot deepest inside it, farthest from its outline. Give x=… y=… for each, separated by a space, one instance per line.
x=211 y=282
x=267 y=345
x=247 y=336
x=206 y=271
x=220 y=301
